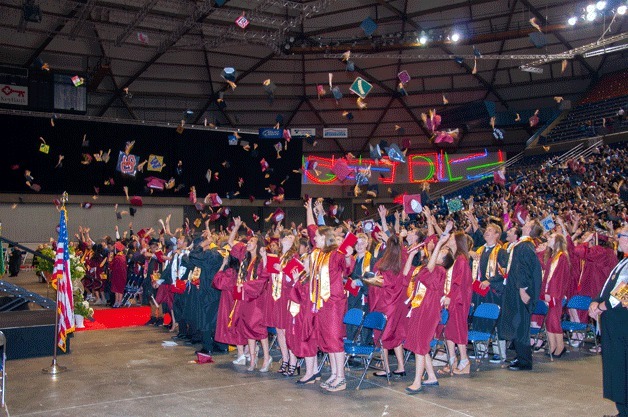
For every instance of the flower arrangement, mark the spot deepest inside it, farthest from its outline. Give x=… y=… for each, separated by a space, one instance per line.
x=77 y=269
x=81 y=306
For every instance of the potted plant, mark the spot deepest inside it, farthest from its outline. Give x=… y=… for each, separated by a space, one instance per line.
x=82 y=310
x=45 y=267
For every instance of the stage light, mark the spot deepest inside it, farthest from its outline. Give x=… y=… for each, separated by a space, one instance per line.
x=600 y=5
x=572 y=20
x=590 y=8
x=591 y=16
x=455 y=37
x=621 y=9
x=423 y=40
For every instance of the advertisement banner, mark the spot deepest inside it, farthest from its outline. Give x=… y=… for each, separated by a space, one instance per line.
x=335 y=132
x=14 y=95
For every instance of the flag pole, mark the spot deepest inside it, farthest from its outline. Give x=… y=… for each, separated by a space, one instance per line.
x=54 y=368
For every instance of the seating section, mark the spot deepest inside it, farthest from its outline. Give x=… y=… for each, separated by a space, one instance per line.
x=609 y=86
x=591 y=119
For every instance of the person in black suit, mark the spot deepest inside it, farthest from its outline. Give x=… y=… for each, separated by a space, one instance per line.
x=613 y=312
x=521 y=292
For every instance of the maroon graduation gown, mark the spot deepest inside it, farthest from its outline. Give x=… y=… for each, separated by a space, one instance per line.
x=460 y=292
x=226 y=331
x=556 y=290
x=251 y=321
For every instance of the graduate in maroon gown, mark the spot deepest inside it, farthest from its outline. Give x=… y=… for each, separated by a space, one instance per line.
x=392 y=303
x=300 y=335
x=458 y=300
x=252 y=282
x=118 y=273
x=225 y=280
x=556 y=275
x=327 y=268
x=428 y=284
x=277 y=314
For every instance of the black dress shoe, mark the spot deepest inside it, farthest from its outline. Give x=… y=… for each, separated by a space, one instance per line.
x=397 y=373
x=310 y=380
x=562 y=353
x=519 y=367
x=384 y=375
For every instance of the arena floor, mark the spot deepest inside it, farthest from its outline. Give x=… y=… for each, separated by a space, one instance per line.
x=127 y=372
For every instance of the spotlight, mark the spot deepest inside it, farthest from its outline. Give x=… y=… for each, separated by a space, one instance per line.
x=572 y=20
x=590 y=8
x=591 y=16
x=455 y=37
x=600 y=5
x=423 y=40
x=621 y=9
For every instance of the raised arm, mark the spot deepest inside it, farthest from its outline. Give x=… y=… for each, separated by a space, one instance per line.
x=443 y=238
x=237 y=221
x=309 y=214
x=382 y=215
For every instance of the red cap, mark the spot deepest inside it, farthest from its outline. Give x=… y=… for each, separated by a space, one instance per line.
x=412 y=203
x=136 y=201
x=119 y=246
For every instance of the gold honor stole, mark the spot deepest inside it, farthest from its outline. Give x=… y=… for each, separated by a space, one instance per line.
x=512 y=250
x=552 y=269
x=366 y=262
x=450 y=273
x=491 y=267
x=416 y=290
x=320 y=282
x=376 y=250
x=278 y=278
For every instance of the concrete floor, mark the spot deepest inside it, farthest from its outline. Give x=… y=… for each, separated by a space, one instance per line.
x=126 y=372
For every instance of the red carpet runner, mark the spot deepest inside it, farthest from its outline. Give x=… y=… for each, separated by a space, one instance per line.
x=111 y=318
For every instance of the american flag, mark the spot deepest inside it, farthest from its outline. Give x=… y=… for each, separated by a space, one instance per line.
x=62 y=282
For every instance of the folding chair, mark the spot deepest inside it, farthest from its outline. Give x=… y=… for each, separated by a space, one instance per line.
x=439 y=343
x=536 y=332
x=579 y=302
x=374 y=321
x=489 y=312
x=353 y=317
x=272 y=336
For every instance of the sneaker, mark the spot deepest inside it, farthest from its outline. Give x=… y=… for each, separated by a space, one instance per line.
x=497 y=359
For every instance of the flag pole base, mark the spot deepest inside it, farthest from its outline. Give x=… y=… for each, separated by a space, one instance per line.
x=54 y=369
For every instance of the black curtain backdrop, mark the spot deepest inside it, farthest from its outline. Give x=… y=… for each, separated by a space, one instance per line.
x=198 y=150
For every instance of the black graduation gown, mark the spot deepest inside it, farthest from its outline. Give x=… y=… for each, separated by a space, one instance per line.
x=525 y=272
x=494 y=295
x=208 y=297
x=614 y=327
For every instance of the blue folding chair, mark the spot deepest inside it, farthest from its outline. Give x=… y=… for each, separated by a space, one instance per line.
x=353 y=317
x=539 y=332
x=579 y=302
x=272 y=335
x=374 y=321
x=489 y=312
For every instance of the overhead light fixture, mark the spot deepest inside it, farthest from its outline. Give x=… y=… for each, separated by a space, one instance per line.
x=572 y=20
x=535 y=70
x=423 y=40
x=606 y=50
x=621 y=9
x=455 y=37
x=590 y=8
x=591 y=16
x=600 y=5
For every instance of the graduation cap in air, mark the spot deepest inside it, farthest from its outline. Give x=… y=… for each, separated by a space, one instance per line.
x=538 y=39
x=341 y=169
x=412 y=203
x=229 y=74
x=335 y=91
x=136 y=201
x=369 y=26
x=277 y=216
x=213 y=199
x=233 y=140
x=498 y=134
x=348 y=115
x=350 y=66
x=86 y=205
x=375 y=152
x=395 y=154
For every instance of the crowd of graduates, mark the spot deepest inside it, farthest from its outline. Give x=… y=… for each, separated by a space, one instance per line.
x=548 y=234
